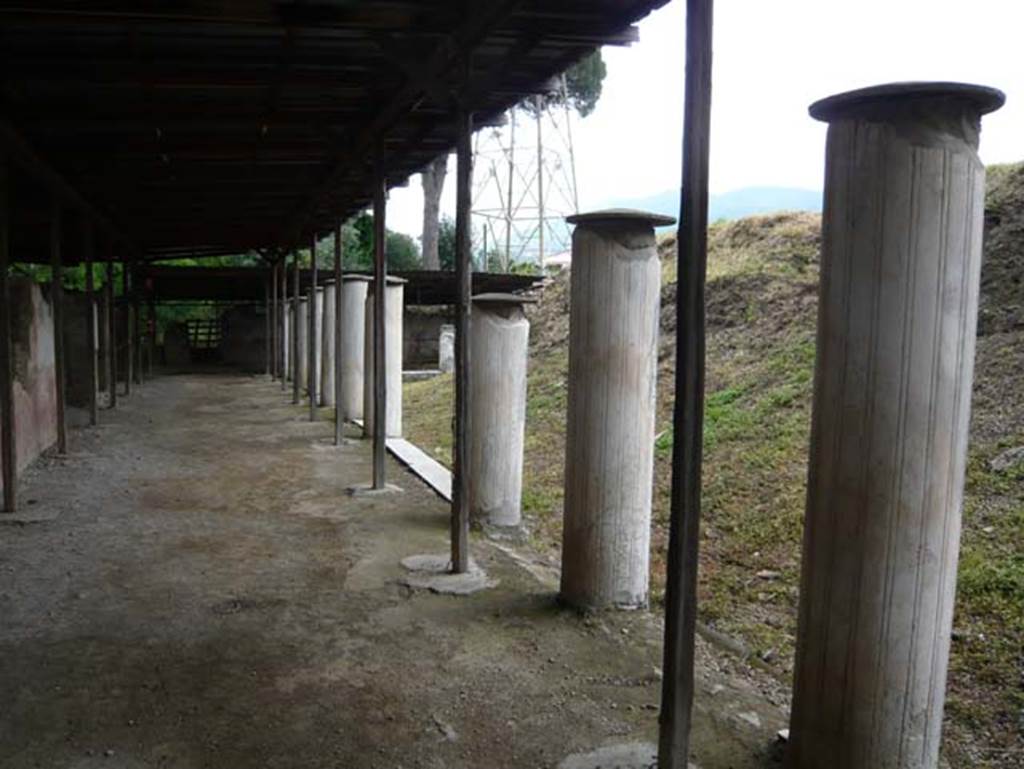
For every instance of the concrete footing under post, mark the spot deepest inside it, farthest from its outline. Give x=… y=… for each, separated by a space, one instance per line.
x=434 y=573
x=500 y=348
x=630 y=755
x=368 y=490
x=353 y=341
x=394 y=305
x=613 y=355
x=901 y=258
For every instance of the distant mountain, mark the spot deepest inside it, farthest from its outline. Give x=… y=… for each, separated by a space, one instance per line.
x=732 y=205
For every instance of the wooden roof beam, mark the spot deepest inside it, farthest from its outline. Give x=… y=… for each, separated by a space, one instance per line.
x=385 y=15
x=483 y=18
x=26 y=158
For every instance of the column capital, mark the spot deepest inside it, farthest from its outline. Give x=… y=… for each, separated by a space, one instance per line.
x=955 y=108
x=498 y=299
x=621 y=216
x=390 y=280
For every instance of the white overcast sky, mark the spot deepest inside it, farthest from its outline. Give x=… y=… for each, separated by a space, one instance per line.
x=772 y=58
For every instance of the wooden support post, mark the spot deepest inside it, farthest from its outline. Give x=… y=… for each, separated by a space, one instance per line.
x=151 y=304
x=338 y=416
x=88 y=246
x=7 y=429
x=57 y=294
x=137 y=328
x=282 y=316
x=268 y=369
x=272 y=314
x=464 y=290
x=295 y=327
x=129 y=324
x=380 y=277
x=142 y=339
x=102 y=315
x=112 y=330
x=688 y=417
x=538 y=105
x=312 y=347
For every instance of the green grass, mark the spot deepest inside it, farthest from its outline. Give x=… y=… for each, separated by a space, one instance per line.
x=987 y=661
x=427 y=410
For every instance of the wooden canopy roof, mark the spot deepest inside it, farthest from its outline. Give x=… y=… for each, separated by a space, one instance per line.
x=208 y=127
x=248 y=284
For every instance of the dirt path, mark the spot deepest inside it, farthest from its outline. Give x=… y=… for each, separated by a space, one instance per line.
x=205 y=595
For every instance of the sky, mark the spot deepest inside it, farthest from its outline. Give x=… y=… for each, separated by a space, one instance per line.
x=772 y=58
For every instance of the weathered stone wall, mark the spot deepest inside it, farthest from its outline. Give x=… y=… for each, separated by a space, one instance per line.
x=420 y=340
x=121 y=319
x=244 y=343
x=176 y=350
x=35 y=374
x=102 y=339
x=245 y=338
x=76 y=348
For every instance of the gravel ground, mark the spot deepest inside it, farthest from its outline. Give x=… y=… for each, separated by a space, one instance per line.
x=200 y=592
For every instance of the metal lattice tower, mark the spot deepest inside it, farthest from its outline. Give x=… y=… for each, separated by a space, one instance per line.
x=524 y=185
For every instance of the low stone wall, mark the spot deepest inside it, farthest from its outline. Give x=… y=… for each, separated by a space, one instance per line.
x=245 y=337
x=176 y=355
x=76 y=347
x=35 y=373
x=421 y=337
x=121 y=318
x=102 y=339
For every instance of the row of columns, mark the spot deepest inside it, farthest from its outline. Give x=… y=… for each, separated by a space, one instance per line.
x=902 y=228
x=335 y=351
x=323 y=341
x=900 y=273
x=330 y=337
x=898 y=304
x=498 y=381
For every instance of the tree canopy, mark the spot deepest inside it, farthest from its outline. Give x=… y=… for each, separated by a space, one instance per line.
x=400 y=250
x=583 y=83
x=446 y=243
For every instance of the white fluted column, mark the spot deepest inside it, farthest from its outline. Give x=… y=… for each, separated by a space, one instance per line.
x=613 y=355
x=286 y=338
x=303 y=356
x=500 y=348
x=394 y=306
x=901 y=254
x=317 y=342
x=353 y=339
x=446 y=349
x=327 y=346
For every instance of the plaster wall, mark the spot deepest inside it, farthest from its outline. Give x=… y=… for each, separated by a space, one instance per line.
x=35 y=375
